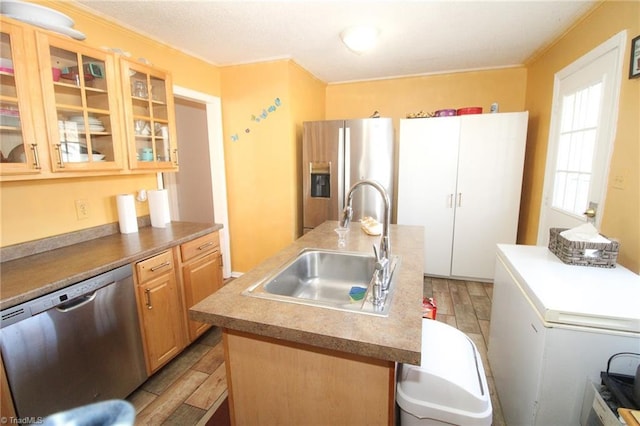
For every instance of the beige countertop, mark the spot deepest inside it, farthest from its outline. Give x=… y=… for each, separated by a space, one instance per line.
x=28 y=277
x=396 y=337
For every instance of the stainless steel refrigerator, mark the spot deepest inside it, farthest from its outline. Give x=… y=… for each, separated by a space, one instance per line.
x=335 y=155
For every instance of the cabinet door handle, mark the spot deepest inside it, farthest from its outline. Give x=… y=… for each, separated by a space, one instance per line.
x=450 y=203
x=60 y=160
x=175 y=156
x=205 y=245
x=147 y=295
x=160 y=266
x=36 y=158
x=459 y=199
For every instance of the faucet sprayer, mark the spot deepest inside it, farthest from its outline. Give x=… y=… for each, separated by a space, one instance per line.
x=347 y=213
x=382 y=255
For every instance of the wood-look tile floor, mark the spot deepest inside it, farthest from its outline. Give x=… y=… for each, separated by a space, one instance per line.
x=190 y=389
x=466 y=305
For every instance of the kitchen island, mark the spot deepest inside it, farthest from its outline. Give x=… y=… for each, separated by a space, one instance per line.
x=298 y=364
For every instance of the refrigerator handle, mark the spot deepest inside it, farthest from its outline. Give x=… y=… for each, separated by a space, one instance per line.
x=342 y=175
x=347 y=161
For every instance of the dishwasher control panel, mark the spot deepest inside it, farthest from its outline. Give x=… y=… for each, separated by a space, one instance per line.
x=51 y=300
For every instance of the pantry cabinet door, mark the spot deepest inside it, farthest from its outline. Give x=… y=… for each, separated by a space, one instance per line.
x=490 y=169
x=427 y=185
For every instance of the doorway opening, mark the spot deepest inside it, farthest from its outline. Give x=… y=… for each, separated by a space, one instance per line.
x=198 y=193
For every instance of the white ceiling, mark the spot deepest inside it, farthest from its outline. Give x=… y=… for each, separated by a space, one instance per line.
x=416 y=37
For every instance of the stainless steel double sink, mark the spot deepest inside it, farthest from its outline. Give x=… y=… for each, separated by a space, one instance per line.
x=324 y=278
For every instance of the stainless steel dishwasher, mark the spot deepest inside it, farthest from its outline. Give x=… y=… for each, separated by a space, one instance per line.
x=74 y=346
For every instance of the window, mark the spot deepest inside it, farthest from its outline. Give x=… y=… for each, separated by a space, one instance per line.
x=576 y=149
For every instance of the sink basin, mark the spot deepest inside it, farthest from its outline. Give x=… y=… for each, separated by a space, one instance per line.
x=323 y=278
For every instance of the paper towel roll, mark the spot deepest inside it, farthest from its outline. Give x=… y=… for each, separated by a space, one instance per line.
x=159 y=207
x=127 y=213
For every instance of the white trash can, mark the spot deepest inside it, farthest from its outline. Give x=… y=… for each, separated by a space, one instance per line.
x=449 y=386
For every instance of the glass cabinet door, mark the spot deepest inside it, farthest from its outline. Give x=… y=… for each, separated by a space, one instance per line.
x=18 y=146
x=150 y=117
x=81 y=105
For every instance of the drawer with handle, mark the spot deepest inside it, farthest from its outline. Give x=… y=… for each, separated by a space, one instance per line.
x=202 y=245
x=154 y=266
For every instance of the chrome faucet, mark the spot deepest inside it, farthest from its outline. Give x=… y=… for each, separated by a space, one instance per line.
x=383 y=253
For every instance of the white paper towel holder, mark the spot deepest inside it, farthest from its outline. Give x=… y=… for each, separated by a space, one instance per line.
x=142 y=195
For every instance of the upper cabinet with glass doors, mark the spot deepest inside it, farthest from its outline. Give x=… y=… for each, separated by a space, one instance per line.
x=19 y=151
x=80 y=94
x=149 y=117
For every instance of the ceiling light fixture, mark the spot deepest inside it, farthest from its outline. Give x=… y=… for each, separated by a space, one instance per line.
x=360 y=39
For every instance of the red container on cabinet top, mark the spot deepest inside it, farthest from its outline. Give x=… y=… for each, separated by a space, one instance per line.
x=469 y=110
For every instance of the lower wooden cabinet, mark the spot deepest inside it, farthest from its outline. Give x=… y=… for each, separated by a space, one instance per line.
x=287 y=383
x=6 y=401
x=167 y=285
x=160 y=309
x=201 y=273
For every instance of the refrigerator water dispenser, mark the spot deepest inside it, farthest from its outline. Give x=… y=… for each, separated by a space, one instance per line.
x=320 y=180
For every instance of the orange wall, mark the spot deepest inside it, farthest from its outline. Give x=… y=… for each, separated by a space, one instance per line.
x=397 y=97
x=621 y=218
x=42 y=208
x=261 y=155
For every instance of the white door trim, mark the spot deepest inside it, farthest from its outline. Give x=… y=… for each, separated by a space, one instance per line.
x=618 y=42
x=216 y=161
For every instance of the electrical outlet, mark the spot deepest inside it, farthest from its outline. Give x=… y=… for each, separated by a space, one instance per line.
x=82 y=209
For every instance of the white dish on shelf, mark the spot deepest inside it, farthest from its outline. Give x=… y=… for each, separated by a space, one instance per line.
x=80 y=119
x=17 y=155
x=18 y=9
x=6 y=63
x=92 y=128
x=81 y=158
x=61 y=29
x=74 y=149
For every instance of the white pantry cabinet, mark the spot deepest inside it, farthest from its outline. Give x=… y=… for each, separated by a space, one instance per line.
x=460 y=177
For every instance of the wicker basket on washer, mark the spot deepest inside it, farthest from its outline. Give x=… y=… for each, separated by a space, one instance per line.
x=582 y=252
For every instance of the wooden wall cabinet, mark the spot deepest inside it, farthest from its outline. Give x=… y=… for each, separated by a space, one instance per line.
x=149 y=116
x=100 y=114
x=159 y=309
x=201 y=274
x=20 y=152
x=81 y=105
x=460 y=178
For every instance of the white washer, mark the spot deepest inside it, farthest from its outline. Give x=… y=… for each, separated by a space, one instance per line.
x=449 y=386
